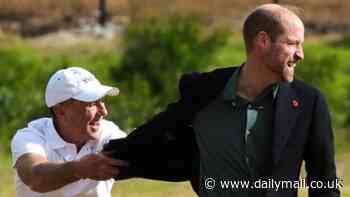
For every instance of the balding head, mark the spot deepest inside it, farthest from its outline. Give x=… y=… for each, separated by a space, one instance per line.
x=269 y=18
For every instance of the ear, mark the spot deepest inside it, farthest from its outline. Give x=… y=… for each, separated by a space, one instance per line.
x=262 y=40
x=58 y=110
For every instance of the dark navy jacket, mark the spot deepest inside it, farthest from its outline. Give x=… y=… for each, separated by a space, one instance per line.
x=165 y=147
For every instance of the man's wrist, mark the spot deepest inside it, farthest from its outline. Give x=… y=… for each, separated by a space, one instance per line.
x=75 y=168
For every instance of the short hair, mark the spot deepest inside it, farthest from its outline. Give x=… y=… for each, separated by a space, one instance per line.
x=264 y=19
x=52 y=111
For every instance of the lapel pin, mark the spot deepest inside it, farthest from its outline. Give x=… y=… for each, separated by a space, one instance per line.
x=295 y=103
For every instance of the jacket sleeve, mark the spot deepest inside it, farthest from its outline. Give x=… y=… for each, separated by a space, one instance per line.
x=319 y=161
x=164 y=148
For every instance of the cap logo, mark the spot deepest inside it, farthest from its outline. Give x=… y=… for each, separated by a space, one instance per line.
x=87 y=79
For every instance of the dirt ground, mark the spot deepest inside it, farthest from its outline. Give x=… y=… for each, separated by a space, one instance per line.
x=32 y=18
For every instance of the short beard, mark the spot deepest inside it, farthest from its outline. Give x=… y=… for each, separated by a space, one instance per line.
x=288 y=74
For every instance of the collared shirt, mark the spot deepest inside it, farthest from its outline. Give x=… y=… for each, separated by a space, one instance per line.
x=235 y=138
x=41 y=137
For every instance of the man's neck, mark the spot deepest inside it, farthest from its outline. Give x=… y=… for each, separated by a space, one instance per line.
x=253 y=79
x=67 y=136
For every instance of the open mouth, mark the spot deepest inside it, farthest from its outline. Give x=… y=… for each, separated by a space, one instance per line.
x=291 y=64
x=96 y=122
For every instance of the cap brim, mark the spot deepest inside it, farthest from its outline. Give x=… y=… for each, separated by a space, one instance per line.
x=95 y=92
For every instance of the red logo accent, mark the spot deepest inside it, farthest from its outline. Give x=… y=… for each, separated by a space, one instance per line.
x=295 y=103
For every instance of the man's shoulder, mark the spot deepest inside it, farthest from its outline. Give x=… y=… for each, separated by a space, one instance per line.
x=111 y=130
x=210 y=82
x=31 y=139
x=36 y=129
x=211 y=75
x=304 y=89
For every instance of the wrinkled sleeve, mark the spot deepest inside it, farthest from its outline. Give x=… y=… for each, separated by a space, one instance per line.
x=163 y=148
x=319 y=161
x=24 y=142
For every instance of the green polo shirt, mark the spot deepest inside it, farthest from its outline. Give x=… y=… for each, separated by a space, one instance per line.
x=235 y=139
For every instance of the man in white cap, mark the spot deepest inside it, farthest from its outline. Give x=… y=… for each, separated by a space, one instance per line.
x=61 y=156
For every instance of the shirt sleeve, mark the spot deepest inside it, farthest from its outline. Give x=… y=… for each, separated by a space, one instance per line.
x=26 y=141
x=110 y=131
x=117 y=133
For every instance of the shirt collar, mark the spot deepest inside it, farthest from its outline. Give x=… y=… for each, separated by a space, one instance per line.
x=276 y=87
x=229 y=92
x=54 y=138
x=56 y=141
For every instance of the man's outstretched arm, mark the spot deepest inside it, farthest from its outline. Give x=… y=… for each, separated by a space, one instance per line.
x=41 y=175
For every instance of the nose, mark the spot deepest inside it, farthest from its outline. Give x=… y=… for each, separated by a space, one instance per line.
x=299 y=54
x=102 y=110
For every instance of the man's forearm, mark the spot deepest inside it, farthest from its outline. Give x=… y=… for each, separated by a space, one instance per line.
x=52 y=176
x=43 y=176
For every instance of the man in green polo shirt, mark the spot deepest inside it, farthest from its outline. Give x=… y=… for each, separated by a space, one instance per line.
x=237 y=133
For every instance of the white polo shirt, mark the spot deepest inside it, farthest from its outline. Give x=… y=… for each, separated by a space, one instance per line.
x=41 y=137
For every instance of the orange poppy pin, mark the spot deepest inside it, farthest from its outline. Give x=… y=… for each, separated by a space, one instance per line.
x=295 y=103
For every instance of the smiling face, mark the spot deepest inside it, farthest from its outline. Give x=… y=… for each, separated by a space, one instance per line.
x=287 y=49
x=81 y=120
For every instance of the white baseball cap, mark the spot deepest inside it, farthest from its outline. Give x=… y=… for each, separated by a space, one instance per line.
x=75 y=83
